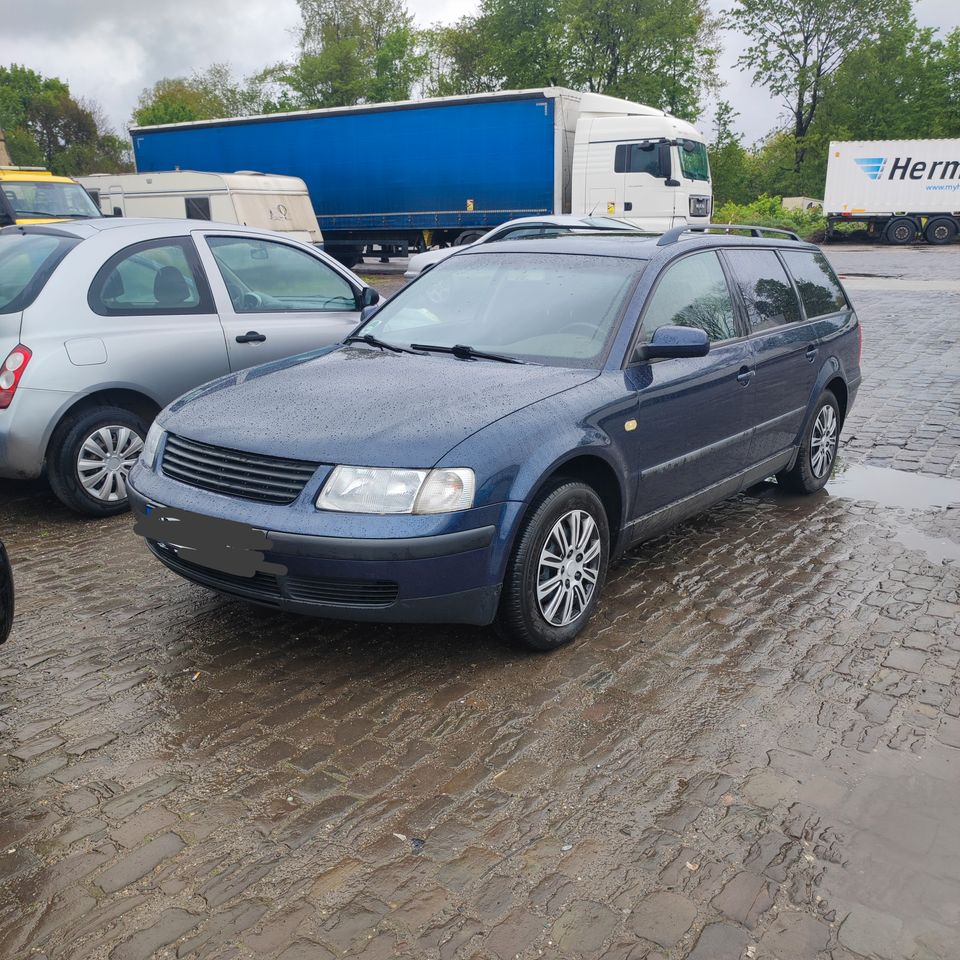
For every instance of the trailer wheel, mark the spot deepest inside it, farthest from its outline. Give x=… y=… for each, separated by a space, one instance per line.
x=900 y=230
x=940 y=230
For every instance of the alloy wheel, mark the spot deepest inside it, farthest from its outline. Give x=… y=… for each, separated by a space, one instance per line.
x=823 y=441
x=568 y=568
x=106 y=458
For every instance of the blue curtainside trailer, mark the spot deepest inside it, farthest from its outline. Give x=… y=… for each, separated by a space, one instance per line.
x=396 y=175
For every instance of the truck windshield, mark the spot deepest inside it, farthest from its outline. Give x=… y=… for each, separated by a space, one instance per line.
x=26 y=263
x=694 y=162
x=39 y=199
x=556 y=309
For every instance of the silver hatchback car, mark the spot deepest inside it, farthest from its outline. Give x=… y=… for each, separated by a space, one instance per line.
x=105 y=322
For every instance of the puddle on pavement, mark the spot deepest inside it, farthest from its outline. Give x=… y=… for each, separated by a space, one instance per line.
x=894 y=488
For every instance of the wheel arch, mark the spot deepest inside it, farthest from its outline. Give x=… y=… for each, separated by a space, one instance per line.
x=126 y=397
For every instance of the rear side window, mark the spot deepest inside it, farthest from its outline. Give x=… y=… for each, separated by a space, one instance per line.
x=640 y=158
x=150 y=279
x=820 y=291
x=692 y=293
x=26 y=263
x=765 y=288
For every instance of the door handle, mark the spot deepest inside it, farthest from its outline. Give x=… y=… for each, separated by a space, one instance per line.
x=811 y=353
x=251 y=336
x=745 y=375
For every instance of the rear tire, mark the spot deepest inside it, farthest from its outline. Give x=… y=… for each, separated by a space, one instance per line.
x=900 y=231
x=818 y=449
x=566 y=531
x=90 y=456
x=940 y=230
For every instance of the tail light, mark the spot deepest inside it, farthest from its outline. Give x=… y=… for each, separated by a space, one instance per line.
x=11 y=372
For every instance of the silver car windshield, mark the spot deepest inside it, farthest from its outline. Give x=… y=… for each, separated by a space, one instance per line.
x=26 y=263
x=556 y=309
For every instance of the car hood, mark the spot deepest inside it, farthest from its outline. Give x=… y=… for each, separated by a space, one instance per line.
x=358 y=405
x=420 y=261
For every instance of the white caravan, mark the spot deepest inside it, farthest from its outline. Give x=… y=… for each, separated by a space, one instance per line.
x=268 y=201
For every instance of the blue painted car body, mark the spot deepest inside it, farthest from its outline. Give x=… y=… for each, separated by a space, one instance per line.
x=703 y=431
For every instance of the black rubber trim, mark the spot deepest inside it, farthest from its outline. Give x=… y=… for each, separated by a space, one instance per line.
x=357 y=548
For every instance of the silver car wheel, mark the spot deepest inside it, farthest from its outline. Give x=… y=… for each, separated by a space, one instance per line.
x=568 y=568
x=823 y=441
x=106 y=458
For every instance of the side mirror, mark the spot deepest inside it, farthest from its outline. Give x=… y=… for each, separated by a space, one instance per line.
x=367 y=312
x=673 y=342
x=670 y=182
x=369 y=297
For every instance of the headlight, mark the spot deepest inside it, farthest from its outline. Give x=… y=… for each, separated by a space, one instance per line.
x=149 y=453
x=389 y=490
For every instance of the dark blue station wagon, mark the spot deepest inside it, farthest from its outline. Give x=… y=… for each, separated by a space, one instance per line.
x=485 y=443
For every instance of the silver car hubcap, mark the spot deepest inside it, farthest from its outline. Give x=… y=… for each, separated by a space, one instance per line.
x=823 y=442
x=568 y=568
x=106 y=457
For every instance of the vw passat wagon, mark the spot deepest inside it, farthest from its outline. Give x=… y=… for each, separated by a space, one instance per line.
x=482 y=447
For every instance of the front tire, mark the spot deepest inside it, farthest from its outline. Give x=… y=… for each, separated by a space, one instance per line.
x=91 y=455
x=818 y=449
x=557 y=569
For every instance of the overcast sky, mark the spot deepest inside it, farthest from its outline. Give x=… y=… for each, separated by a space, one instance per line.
x=109 y=50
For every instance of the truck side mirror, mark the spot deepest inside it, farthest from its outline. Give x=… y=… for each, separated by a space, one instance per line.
x=670 y=182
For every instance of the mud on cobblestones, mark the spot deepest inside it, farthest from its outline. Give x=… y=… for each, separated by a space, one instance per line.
x=754 y=751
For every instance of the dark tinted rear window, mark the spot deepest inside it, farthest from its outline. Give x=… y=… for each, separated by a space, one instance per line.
x=819 y=288
x=765 y=288
x=26 y=263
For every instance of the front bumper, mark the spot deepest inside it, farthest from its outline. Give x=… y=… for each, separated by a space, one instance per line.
x=446 y=577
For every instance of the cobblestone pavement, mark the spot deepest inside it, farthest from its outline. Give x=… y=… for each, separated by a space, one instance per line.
x=753 y=752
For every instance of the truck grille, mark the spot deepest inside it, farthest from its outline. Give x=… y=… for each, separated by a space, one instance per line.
x=251 y=476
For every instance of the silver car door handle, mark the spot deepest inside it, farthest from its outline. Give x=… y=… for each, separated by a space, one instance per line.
x=251 y=336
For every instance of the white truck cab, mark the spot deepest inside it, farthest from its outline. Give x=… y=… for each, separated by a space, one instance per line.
x=640 y=164
x=268 y=201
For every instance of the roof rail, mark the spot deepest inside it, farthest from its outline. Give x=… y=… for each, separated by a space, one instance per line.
x=674 y=234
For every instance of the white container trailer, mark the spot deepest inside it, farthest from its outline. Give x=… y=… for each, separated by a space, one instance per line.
x=269 y=201
x=904 y=190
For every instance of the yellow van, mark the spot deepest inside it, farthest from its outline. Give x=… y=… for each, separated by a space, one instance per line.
x=34 y=195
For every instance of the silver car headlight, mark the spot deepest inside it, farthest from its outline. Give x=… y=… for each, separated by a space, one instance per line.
x=391 y=490
x=149 y=453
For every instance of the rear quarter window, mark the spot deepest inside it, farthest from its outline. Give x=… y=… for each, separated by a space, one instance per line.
x=27 y=262
x=820 y=291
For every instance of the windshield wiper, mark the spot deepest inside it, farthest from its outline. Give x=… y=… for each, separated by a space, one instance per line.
x=373 y=341
x=463 y=352
x=52 y=216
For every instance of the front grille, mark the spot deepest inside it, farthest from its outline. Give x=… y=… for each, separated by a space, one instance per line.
x=261 y=586
x=342 y=593
x=250 y=476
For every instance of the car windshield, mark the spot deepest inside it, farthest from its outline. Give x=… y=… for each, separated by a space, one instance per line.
x=26 y=263
x=694 y=162
x=557 y=309
x=38 y=199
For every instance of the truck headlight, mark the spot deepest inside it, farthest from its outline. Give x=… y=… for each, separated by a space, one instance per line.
x=699 y=206
x=391 y=490
x=149 y=453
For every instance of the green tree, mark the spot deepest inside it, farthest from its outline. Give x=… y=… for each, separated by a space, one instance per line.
x=46 y=126
x=661 y=52
x=206 y=95
x=730 y=165
x=795 y=46
x=457 y=59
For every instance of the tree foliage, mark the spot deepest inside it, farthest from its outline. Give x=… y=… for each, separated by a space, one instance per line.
x=796 y=45
x=46 y=126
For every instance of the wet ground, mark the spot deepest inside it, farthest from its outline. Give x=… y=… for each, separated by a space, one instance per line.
x=753 y=752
